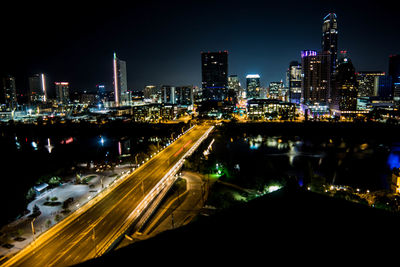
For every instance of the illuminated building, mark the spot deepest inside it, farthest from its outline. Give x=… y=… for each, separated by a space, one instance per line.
x=395 y=183
x=168 y=94
x=293 y=81
x=253 y=86
x=121 y=94
x=344 y=95
x=38 y=88
x=394 y=72
x=385 y=86
x=316 y=76
x=214 y=75
x=8 y=93
x=263 y=109
x=276 y=90
x=184 y=95
x=62 y=92
x=234 y=84
x=152 y=93
x=329 y=39
x=368 y=83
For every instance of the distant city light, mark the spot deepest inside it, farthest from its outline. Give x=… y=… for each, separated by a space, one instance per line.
x=252 y=76
x=44 y=88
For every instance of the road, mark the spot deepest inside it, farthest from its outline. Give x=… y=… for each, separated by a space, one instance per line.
x=181 y=209
x=80 y=239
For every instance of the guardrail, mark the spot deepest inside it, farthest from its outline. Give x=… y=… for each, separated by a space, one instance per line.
x=167 y=181
x=45 y=235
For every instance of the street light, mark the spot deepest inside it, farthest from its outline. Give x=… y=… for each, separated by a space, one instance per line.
x=33 y=229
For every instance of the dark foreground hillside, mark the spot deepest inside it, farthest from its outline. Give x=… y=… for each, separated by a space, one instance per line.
x=290 y=225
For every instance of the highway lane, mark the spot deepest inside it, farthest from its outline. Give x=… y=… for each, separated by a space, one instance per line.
x=77 y=241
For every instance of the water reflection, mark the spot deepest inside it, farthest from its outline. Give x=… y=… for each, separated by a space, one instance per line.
x=341 y=161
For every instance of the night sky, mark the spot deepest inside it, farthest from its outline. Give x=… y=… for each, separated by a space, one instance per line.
x=161 y=41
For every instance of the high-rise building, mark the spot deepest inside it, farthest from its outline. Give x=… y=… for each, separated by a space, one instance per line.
x=184 y=95
x=121 y=93
x=276 y=90
x=38 y=88
x=8 y=93
x=234 y=84
x=385 y=87
x=368 y=83
x=344 y=94
x=394 y=72
x=329 y=39
x=62 y=92
x=168 y=94
x=316 y=77
x=214 y=72
x=293 y=81
x=253 y=86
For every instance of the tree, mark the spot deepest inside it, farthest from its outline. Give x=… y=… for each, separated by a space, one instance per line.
x=36 y=211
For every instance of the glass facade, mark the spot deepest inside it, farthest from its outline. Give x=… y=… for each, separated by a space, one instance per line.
x=293 y=81
x=253 y=86
x=214 y=72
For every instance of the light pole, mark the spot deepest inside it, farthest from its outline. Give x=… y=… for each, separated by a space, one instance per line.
x=33 y=229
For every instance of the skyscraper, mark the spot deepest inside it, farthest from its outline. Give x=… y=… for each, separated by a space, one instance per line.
x=329 y=39
x=168 y=94
x=184 y=95
x=368 y=83
x=385 y=87
x=293 y=81
x=394 y=72
x=234 y=84
x=62 y=92
x=344 y=95
x=214 y=73
x=253 y=86
x=8 y=93
x=38 y=88
x=120 y=82
x=316 y=76
x=276 y=90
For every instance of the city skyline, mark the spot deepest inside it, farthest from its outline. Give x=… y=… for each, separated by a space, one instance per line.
x=84 y=57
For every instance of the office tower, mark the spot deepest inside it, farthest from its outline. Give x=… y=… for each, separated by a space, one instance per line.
x=101 y=89
x=184 y=95
x=253 y=86
x=394 y=72
x=8 y=93
x=368 y=83
x=62 y=92
x=168 y=94
x=316 y=76
x=120 y=82
x=234 y=84
x=329 y=39
x=38 y=88
x=385 y=87
x=344 y=94
x=293 y=81
x=214 y=72
x=276 y=90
